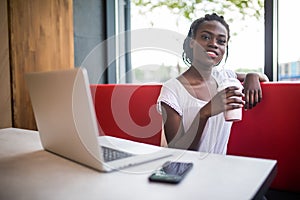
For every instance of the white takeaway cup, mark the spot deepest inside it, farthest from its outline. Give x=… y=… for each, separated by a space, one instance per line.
x=235 y=114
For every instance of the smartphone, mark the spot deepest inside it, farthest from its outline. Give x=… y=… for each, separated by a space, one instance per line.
x=171 y=172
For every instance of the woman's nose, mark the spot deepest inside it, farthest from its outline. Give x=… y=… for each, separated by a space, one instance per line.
x=213 y=43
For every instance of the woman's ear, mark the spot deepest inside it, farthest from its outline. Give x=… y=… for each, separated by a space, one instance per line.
x=192 y=42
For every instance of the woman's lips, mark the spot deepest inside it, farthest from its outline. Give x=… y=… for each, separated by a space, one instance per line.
x=212 y=54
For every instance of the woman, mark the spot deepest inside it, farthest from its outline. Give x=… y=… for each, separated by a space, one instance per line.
x=191 y=106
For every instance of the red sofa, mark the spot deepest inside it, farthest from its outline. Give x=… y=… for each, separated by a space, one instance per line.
x=128 y=111
x=270 y=130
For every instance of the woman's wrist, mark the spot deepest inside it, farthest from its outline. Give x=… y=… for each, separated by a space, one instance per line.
x=204 y=114
x=258 y=76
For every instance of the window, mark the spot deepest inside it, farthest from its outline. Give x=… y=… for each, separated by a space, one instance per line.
x=288 y=42
x=267 y=44
x=101 y=40
x=156 y=64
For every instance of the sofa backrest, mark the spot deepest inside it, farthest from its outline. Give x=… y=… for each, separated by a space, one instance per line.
x=272 y=130
x=128 y=111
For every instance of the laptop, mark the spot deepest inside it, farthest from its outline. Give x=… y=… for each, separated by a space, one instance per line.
x=66 y=120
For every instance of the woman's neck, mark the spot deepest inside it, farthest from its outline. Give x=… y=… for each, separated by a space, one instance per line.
x=199 y=73
x=199 y=83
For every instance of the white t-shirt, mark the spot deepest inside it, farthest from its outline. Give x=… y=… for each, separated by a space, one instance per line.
x=216 y=132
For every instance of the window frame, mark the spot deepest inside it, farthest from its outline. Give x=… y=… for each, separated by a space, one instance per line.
x=271 y=39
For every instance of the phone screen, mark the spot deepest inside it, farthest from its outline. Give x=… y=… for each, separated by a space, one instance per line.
x=171 y=172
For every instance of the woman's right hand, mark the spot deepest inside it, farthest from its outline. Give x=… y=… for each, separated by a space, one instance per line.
x=223 y=101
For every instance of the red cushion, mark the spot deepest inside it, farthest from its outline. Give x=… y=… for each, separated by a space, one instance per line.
x=128 y=111
x=272 y=130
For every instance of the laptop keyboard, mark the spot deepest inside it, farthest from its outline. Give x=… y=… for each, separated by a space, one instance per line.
x=110 y=154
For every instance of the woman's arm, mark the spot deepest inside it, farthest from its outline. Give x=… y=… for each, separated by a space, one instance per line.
x=252 y=88
x=173 y=125
x=260 y=77
x=174 y=131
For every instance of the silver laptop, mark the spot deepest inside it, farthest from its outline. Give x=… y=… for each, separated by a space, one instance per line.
x=66 y=120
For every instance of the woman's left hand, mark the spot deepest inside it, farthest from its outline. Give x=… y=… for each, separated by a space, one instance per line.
x=252 y=90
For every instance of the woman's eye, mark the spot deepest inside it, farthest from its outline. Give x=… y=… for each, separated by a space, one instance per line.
x=205 y=37
x=222 y=42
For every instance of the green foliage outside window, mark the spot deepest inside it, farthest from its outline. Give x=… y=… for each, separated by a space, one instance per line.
x=188 y=8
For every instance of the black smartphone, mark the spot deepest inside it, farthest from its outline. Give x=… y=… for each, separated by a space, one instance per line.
x=171 y=172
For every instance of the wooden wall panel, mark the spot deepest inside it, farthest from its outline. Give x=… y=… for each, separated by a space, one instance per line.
x=41 y=39
x=5 y=89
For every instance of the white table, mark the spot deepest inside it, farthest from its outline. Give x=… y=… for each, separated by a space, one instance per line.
x=29 y=172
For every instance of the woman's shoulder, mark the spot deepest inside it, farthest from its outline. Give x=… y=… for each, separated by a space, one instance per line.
x=172 y=83
x=222 y=73
x=174 y=86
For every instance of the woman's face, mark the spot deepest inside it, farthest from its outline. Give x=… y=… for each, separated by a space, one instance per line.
x=209 y=44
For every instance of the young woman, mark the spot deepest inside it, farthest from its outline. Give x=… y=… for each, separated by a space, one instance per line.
x=191 y=106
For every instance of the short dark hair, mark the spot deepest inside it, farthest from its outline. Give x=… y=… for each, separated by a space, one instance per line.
x=187 y=54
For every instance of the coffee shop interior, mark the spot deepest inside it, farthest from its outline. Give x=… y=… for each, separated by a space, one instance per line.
x=101 y=36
